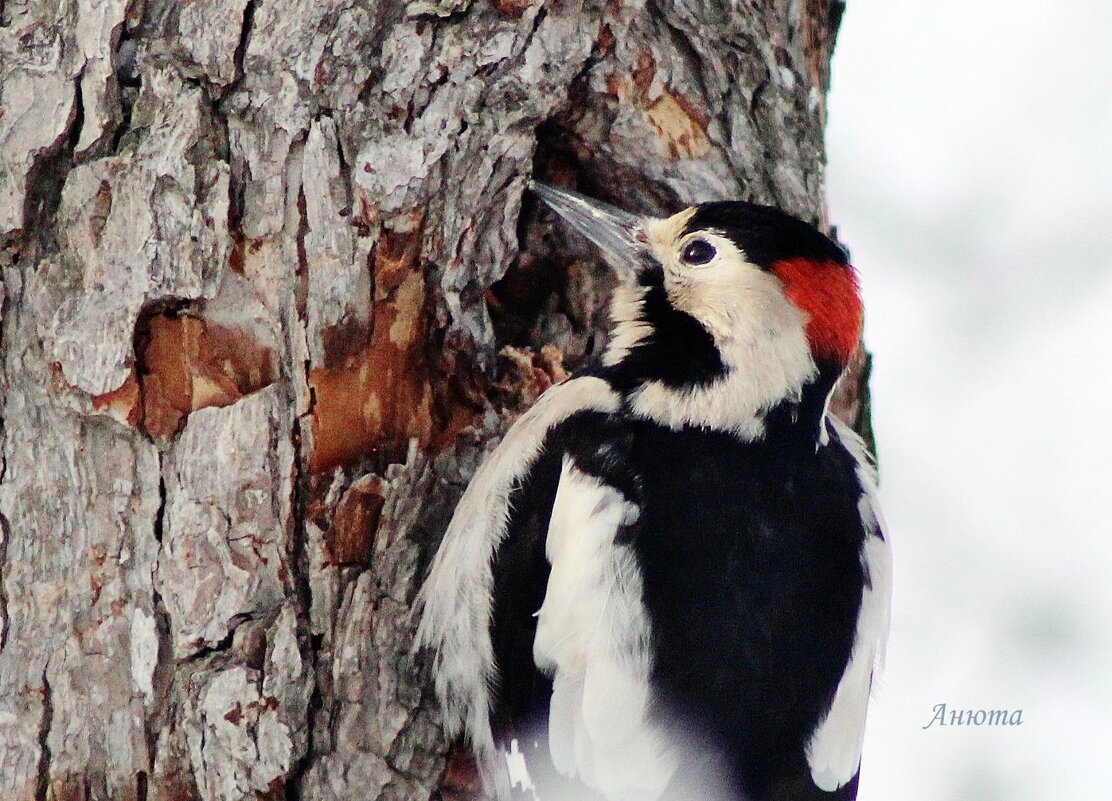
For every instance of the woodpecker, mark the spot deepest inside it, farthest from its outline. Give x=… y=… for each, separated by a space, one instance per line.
x=670 y=580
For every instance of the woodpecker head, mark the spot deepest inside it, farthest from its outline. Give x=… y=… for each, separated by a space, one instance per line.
x=726 y=310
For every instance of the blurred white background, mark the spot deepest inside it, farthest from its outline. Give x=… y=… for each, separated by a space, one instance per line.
x=970 y=173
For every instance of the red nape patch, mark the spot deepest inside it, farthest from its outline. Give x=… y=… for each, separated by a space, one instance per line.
x=829 y=294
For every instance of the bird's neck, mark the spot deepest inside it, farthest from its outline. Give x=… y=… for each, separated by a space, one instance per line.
x=802 y=420
x=674 y=372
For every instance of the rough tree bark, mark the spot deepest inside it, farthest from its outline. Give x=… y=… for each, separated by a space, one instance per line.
x=272 y=286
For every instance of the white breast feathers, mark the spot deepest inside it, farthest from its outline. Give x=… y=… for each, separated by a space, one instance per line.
x=592 y=637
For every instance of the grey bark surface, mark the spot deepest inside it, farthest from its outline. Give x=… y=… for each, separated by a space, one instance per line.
x=272 y=286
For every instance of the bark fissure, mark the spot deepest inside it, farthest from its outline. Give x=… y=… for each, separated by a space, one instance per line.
x=162 y=677
x=245 y=27
x=160 y=512
x=5 y=537
x=128 y=96
x=48 y=174
x=302 y=569
x=5 y=526
x=43 y=770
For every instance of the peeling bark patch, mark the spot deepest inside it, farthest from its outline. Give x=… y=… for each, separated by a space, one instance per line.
x=618 y=86
x=351 y=538
x=513 y=9
x=236 y=258
x=680 y=134
x=185 y=364
x=102 y=206
x=125 y=403
x=644 y=70
x=606 y=40
x=381 y=395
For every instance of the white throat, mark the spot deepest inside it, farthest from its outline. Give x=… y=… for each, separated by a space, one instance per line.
x=759 y=376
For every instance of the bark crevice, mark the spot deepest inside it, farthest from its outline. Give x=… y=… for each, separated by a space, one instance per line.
x=247 y=23
x=5 y=537
x=42 y=790
x=48 y=175
x=302 y=568
x=162 y=675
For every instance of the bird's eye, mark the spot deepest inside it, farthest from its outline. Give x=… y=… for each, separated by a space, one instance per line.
x=698 y=251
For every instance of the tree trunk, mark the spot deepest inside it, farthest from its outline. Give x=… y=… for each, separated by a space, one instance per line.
x=272 y=286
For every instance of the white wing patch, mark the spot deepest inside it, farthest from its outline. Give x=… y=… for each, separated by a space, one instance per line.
x=593 y=638
x=834 y=751
x=456 y=598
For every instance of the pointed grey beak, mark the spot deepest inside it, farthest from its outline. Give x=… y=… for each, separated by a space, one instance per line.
x=618 y=234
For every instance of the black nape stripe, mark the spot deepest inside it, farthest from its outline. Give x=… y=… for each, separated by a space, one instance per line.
x=801 y=418
x=678 y=351
x=764 y=233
